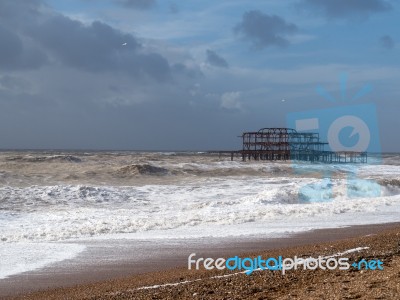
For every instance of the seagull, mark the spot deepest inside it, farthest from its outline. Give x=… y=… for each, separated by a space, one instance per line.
x=124 y=44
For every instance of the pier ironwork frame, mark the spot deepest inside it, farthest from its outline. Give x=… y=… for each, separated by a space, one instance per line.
x=288 y=144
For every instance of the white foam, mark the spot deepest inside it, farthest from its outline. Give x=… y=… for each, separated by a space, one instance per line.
x=382 y=171
x=211 y=207
x=23 y=257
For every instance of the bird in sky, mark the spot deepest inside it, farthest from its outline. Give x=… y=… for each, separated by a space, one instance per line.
x=124 y=44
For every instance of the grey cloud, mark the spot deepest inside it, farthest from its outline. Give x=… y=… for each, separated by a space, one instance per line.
x=153 y=65
x=33 y=34
x=387 y=42
x=10 y=9
x=13 y=84
x=11 y=47
x=264 y=30
x=98 y=48
x=215 y=60
x=182 y=69
x=15 y=54
x=137 y=4
x=345 y=8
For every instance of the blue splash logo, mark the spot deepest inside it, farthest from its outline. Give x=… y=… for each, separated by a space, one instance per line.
x=345 y=128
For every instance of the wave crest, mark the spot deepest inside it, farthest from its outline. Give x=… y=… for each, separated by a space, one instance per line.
x=140 y=169
x=49 y=158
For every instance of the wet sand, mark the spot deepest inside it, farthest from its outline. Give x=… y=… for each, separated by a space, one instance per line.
x=126 y=279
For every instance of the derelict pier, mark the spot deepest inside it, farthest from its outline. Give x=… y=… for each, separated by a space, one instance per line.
x=288 y=144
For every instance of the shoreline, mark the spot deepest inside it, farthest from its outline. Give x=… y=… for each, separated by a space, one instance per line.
x=168 y=264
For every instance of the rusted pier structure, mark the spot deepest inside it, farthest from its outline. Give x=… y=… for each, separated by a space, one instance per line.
x=288 y=144
x=232 y=154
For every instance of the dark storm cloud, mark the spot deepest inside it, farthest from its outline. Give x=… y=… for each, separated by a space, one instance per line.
x=11 y=9
x=32 y=35
x=98 y=48
x=137 y=4
x=17 y=51
x=215 y=60
x=91 y=68
x=91 y=47
x=264 y=30
x=387 y=42
x=15 y=54
x=345 y=8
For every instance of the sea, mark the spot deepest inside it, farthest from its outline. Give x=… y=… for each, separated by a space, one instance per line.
x=53 y=202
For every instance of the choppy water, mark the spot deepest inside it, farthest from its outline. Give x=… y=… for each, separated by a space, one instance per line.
x=52 y=198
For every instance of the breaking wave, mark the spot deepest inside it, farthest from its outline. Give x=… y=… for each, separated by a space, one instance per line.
x=62 y=212
x=140 y=169
x=49 y=158
x=94 y=194
x=391 y=182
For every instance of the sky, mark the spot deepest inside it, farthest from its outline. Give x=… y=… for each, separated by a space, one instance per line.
x=189 y=75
